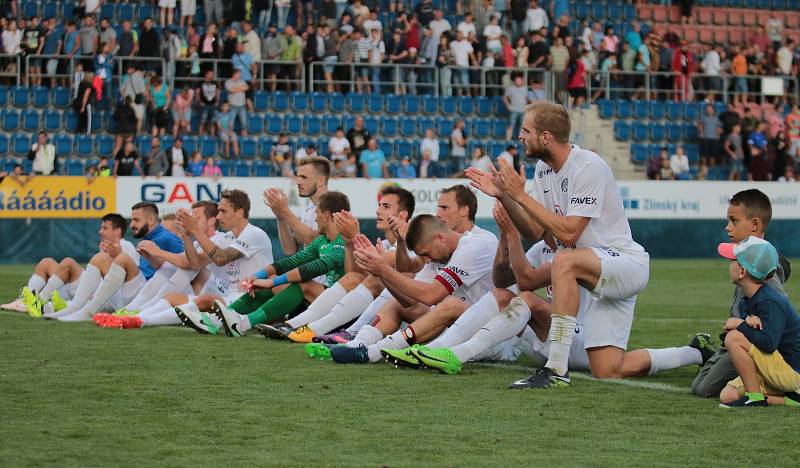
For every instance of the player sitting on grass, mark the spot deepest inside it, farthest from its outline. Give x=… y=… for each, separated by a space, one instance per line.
x=123 y=274
x=279 y=288
x=456 y=207
x=765 y=345
x=395 y=206
x=460 y=264
x=749 y=214
x=58 y=281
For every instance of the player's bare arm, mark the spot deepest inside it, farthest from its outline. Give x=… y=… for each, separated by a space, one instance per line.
x=219 y=256
x=348 y=227
x=502 y=274
x=179 y=260
x=279 y=203
x=403 y=262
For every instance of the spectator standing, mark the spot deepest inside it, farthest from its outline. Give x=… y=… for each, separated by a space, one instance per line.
x=53 y=40
x=126 y=160
x=213 y=10
x=126 y=122
x=710 y=130
x=683 y=65
x=516 y=98
x=208 y=97
x=679 y=164
x=758 y=166
x=373 y=161
x=535 y=17
x=429 y=143
x=283 y=12
x=252 y=45
x=43 y=155
x=166 y=12
x=237 y=88
x=128 y=42
x=178 y=159
x=104 y=75
x=83 y=104
x=358 y=136
x=108 y=35
x=182 y=112
x=156 y=163
x=225 y=125
x=463 y=55
x=292 y=52
x=712 y=67
x=32 y=42
x=739 y=70
x=160 y=98
x=149 y=42
x=376 y=53
x=133 y=86
x=90 y=42
x=734 y=151
x=263 y=13
x=445 y=59
x=243 y=62
x=793 y=131
x=272 y=48
x=188 y=10
x=458 y=144
x=209 y=45
x=438 y=25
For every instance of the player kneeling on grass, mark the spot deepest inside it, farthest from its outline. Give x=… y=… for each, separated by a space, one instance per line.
x=749 y=213
x=765 y=346
x=123 y=274
x=277 y=290
x=333 y=307
x=57 y=282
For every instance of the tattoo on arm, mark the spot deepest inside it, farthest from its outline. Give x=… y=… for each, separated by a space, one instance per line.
x=503 y=275
x=223 y=257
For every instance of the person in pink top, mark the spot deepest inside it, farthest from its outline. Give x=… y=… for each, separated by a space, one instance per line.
x=211 y=169
x=182 y=112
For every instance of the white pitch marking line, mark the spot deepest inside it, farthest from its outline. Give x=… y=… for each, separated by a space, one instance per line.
x=582 y=376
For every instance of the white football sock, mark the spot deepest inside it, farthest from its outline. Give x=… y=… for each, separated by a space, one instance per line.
x=369 y=313
x=322 y=306
x=348 y=308
x=394 y=341
x=158 y=319
x=368 y=335
x=112 y=283
x=672 y=358
x=562 y=330
x=190 y=307
x=159 y=306
x=53 y=284
x=86 y=287
x=149 y=290
x=502 y=327
x=36 y=283
x=469 y=323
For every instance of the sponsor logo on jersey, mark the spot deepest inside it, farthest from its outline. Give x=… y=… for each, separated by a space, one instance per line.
x=583 y=201
x=458 y=271
x=449 y=279
x=544 y=172
x=565 y=185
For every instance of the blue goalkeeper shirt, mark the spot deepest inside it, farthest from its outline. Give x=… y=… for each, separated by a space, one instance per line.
x=165 y=240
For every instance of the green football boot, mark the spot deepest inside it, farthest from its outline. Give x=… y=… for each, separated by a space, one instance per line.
x=441 y=359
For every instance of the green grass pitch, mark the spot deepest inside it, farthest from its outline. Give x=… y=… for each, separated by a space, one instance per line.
x=76 y=394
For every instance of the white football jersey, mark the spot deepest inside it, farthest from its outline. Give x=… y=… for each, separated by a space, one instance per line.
x=127 y=248
x=309 y=215
x=468 y=273
x=219 y=240
x=256 y=246
x=585 y=186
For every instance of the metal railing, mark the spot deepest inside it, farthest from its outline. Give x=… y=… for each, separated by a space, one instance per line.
x=363 y=77
x=66 y=63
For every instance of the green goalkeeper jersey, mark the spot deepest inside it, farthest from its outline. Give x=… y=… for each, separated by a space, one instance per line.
x=320 y=257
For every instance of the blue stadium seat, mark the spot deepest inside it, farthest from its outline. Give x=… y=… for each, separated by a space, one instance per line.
x=280 y=101
x=356 y=103
x=448 y=105
x=105 y=145
x=394 y=104
x=606 y=108
x=629 y=13
x=110 y=124
x=208 y=146
x=338 y=103
x=495 y=148
x=430 y=105
x=61 y=97
x=499 y=128
x=97 y=121
x=265 y=147
x=75 y=167
x=262 y=169
x=274 y=124
x=143 y=144
x=622 y=130
x=499 y=106
x=126 y=12
x=674 y=111
x=11 y=119
x=255 y=123
x=225 y=166
x=674 y=131
x=31 y=120
x=30 y=9
x=389 y=126
x=691 y=111
x=52 y=120
x=408 y=127
x=248 y=147
x=260 y=101
x=294 y=124
x=387 y=147
x=403 y=148
x=598 y=11
x=412 y=104
x=348 y=121
x=41 y=96
x=720 y=107
x=3 y=144
x=372 y=124
x=444 y=126
x=641 y=131
x=20 y=143
x=319 y=102
x=614 y=12
x=84 y=145
x=313 y=124
x=692 y=152
x=481 y=128
x=484 y=105
x=639 y=153
x=466 y=105
x=3 y=95
x=444 y=149
x=299 y=102
x=581 y=10
x=50 y=10
x=330 y=123
x=190 y=144
x=20 y=96
x=641 y=109
x=690 y=132
x=63 y=144
x=657 y=132
x=624 y=109
x=658 y=110
x=108 y=11
x=375 y=104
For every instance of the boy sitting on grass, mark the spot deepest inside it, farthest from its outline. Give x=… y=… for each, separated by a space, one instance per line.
x=765 y=346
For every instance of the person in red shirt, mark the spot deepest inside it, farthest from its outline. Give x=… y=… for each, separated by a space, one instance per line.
x=683 y=64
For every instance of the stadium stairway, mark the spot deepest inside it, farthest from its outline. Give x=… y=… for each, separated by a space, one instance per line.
x=594 y=133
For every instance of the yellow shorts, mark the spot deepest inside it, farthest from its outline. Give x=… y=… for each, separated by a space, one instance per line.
x=775 y=376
